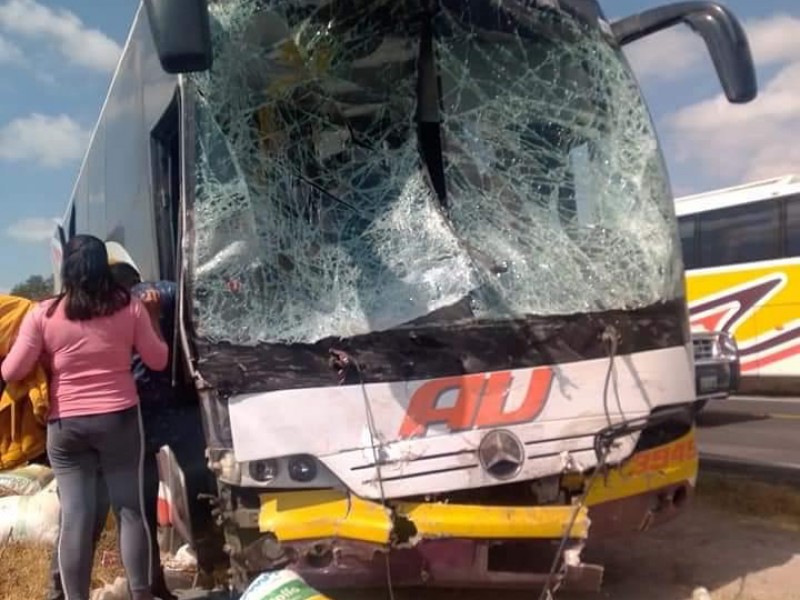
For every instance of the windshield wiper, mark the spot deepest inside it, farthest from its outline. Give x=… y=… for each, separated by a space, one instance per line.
x=429 y=113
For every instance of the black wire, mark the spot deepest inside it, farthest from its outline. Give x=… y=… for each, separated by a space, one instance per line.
x=376 y=457
x=547 y=589
x=602 y=448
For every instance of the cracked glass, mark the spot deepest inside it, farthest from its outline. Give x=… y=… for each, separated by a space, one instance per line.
x=363 y=165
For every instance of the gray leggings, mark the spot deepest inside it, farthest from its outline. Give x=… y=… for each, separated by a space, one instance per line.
x=77 y=446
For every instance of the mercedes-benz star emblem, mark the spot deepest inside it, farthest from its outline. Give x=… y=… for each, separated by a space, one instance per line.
x=501 y=454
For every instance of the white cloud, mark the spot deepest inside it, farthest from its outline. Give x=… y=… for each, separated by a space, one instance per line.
x=676 y=52
x=775 y=39
x=80 y=44
x=757 y=140
x=50 y=141
x=32 y=230
x=666 y=55
x=9 y=52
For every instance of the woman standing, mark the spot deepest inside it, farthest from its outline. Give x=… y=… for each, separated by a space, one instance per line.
x=86 y=336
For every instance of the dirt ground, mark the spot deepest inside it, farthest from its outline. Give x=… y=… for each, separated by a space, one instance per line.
x=740 y=541
x=733 y=556
x=24 y=569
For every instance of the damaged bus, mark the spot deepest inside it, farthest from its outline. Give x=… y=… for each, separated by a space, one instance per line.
x=431 y=289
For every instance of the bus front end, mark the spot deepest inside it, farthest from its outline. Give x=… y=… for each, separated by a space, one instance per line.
x=435 y=292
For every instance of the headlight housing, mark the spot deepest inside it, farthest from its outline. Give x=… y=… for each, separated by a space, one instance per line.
x=297 y=471
x=263 y=471
x=726 y=346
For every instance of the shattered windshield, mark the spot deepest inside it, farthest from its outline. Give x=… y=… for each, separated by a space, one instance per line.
x=363 y=165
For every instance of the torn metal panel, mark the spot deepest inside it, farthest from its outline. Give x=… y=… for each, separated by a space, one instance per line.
x=669 y=464
x=323 y=514
x=431 y=351
x=647 y=490
x=628 y=515
x=325 y=209
x=434 y=520
x=446 y=563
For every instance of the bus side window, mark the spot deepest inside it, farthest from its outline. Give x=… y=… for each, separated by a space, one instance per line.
x=165 y=153
x=688 y=228
x=793 y=226
x=740 y=234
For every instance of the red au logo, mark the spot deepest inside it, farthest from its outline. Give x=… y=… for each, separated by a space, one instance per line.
x=481 y=401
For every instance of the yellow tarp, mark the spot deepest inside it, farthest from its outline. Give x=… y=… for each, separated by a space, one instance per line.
x=24 y=404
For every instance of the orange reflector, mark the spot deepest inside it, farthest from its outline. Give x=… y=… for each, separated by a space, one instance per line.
x=163 y=508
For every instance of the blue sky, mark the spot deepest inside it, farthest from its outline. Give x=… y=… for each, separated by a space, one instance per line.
x=57 y=58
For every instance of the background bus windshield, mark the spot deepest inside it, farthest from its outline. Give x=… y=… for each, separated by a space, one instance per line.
x=340 y=190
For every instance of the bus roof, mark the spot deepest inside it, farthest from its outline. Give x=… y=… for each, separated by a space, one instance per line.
x=756 y=191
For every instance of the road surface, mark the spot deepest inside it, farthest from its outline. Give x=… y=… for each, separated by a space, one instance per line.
x=752 y=429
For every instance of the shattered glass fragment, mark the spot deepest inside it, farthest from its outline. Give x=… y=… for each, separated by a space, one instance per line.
x=362 y=164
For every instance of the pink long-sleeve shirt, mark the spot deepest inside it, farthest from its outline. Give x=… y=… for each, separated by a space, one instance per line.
x=89 y=361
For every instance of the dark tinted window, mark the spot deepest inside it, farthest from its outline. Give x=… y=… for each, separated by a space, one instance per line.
x=740 y=234
x=71 y=227
x=793 y=226
x=165 y=155
x=687 y=227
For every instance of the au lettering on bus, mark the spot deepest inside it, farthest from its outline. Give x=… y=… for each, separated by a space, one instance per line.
x=482 y=400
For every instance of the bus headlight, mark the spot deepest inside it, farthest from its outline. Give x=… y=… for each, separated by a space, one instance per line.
x=302 y=468
x=727 y=346
x=297 y=471
x=263 y=470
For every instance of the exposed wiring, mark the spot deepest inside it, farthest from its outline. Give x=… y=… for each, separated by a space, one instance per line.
x=345 y=360
x=603 y=443
x=611 y=338
x=549 y=588
x=603 y=446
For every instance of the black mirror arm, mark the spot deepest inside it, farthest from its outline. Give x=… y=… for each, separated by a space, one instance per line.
x=62 y=237
x=724 y=36
x=743 y=70
x=648 y=22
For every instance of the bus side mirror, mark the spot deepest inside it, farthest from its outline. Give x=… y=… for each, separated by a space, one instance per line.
x=181 y=33
x=62 y=236
x=724 y=36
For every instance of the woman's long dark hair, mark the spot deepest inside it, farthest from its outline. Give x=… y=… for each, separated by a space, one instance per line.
x=87 y=286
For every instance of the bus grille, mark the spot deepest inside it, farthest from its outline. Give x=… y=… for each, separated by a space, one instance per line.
x=703 y=348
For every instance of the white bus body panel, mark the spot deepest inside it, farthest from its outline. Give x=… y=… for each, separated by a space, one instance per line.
x=332 y=424
x=113 y=197
x=735 y=196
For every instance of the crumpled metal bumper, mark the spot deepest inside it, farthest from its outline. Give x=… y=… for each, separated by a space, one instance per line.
x=334 y=539
x=649 y=489
x=333 y=514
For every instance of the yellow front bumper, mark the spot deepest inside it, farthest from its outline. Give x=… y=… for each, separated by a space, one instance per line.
x=321 y=514
x=295 y=516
